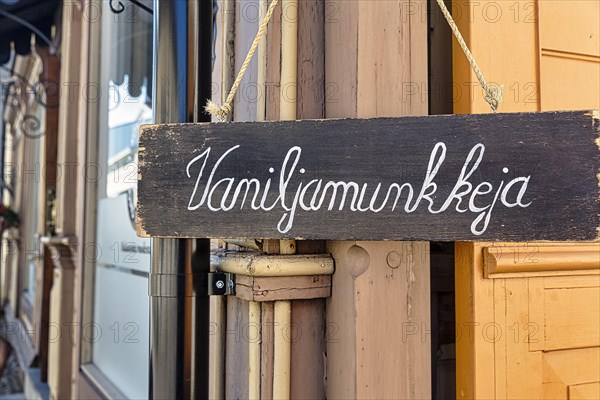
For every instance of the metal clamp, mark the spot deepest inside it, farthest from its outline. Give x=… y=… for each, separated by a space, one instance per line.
x=220 y=284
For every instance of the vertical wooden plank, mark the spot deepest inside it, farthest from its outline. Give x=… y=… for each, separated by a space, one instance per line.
x=372 y=49
x=311 y=59
x=536 y=313
x=266 y=349
x=311 y=246
x=341 y=55
x=418 y=314
x=419 y=57
x=308 y=316
x=341 y=320
x=494 y=330
x=384 y=282
x=465 y=359
x=393 y=284
x=520 y=362
x=44 y=305
x=218 y=92
x=307 y=333
x=502 y=38
x=62 y=352
x=392 y=62
x=474 y=306
x=236 y=354
x=273 y=65
x=246 y=25
x=440 y=60
x=73 y=69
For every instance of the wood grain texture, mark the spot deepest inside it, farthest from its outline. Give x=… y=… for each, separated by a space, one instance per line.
x=535 y=259
x=246 y=25
x=341 y=58
x=545 y=328
x=60 y=352
x=380 y=291
x=342 y=322
x=308 y=350
x=311 y=59
x=266 y=349
x=573 y=366
x=273 y=83
x=550 y=148
x=585 y=391
x=236 y=345
x=282 y=288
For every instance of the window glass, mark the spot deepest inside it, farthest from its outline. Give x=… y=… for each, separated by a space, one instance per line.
x=120 y=330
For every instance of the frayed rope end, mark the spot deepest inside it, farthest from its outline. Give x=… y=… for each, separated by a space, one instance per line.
x=216 y=110
x=494 y=96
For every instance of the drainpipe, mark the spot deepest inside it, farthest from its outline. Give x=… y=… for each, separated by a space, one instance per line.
x=179 y=310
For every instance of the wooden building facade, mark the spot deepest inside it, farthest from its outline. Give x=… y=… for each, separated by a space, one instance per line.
x=360 y=319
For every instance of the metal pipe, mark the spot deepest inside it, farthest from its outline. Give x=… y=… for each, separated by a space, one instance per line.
x=254 y=325
x=261 y=79
x=257 y=264
x=179 y=321
x=289 y=60
x=254 y=308
x=288 y=111
x=282 y=350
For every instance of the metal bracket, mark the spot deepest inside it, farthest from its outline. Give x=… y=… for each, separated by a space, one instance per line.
x=220 y=284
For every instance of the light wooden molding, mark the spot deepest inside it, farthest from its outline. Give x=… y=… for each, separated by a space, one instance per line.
x=541 y=259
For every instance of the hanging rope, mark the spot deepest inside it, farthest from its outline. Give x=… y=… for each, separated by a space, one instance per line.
x=493 y=92
x=221 y=111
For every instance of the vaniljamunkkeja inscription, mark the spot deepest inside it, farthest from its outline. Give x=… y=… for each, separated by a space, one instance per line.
x=317 y=194
x=477 y=177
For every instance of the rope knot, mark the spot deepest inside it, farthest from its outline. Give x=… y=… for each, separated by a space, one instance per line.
x=222 y=111
x=493 y=95
x=218 y=111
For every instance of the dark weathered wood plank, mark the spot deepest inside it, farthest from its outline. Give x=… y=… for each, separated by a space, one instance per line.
x=536 y=172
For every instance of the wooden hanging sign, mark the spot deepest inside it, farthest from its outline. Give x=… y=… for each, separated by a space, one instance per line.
x=508 y=177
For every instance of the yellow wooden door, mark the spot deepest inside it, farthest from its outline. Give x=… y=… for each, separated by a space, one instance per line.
x=528 y=314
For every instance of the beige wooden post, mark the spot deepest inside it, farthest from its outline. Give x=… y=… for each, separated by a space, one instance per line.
x=303 y=292
x=378 y=342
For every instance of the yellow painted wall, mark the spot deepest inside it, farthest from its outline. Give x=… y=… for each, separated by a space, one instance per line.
x=531 y=334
